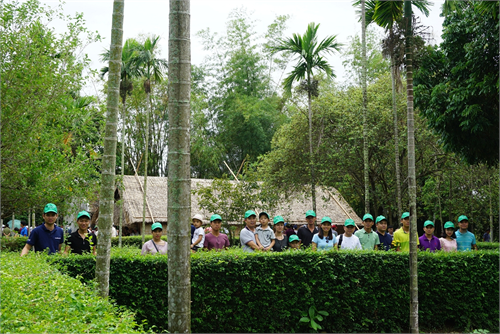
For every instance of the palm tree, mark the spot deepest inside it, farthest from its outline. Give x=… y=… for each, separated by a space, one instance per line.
x=128 y=72
x=151 y=68
x=365 y=107
x=310 y=58
x=106 y=201
x=385 y=14
x=179 y=167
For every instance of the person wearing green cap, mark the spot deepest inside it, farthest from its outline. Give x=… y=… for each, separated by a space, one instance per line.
x=294 y=242
x=348 y=240
x=448 y=243
x=215 y=239
x=264 y=235
x=306 y=232
x=247 y=234
x=428 y=241
x=155 y=245
x=401 y=240
x=46 y=236
x=324 y=240
x=281 y=241
x=466 y=240
x=384 y=237
x=81 y=241
x=367 y=237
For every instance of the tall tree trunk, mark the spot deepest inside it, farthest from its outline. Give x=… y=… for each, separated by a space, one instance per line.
x=179 y=181
x=311 y=157
x=491 y=208
x=123 y=173
x=412 y=187
x=365 y=106
x=396 y=136
x=146 y=154
x=106 y=199
x=29 y=219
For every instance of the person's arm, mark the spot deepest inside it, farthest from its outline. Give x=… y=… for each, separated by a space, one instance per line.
x=258 y=241
x=226 y=243
x=271 y=245
x=474 y=247
x=314 y=246
x=144 y=250
x=26 y=249
x=66 y=251
x=253 y=245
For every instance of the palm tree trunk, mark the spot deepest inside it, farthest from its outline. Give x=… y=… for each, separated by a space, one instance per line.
x=146 y=151
x=491 y=209
x=396 y=136
x=412 y=187
x=179 y=179
x=311 y=158
x=106 y=199
x=123 y=174
x=365 y=106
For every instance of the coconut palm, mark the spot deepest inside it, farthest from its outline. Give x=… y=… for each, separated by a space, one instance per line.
x=151 y=68
x=128 y=72
x=310 y=59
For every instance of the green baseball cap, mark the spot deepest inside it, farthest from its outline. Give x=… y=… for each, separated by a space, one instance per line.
x=293 y=238
x=278 y=219
x=349 y=222
x=310 y=213
x=156 y=225
x=449 y=225
x=367 y=216
x=83 y=214
x=326 y=219
x=215 y=217
x=50 y=208
x=250 y=213
x=428 y=222
x=462 y=217
x=379 y=219
x=405 y=215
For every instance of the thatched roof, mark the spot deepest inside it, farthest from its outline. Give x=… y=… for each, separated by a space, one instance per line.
x=292 y=210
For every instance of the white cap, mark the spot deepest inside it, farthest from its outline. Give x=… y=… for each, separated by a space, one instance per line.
x=198 y=216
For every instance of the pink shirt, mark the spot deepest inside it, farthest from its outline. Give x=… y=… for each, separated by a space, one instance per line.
x=148 y=247
x=448 y=246
x=219 y=242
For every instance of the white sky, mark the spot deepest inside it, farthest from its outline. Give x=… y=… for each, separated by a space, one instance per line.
x=336 y=17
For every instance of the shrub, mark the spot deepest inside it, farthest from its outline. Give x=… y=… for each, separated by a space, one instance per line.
x=13 y=244
x=234 y=291
x=488 y=246
x=37 y=298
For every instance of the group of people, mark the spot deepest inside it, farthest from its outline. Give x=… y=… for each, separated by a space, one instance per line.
x=264 y=238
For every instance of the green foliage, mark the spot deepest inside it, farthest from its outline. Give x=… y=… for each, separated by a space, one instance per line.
x=488 y=245
x=37 y=298
x=456 y=87
x=13 y=244
x=313 y=317
x=234 y=291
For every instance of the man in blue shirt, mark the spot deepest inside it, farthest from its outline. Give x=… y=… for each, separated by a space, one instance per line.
x=24 y=229
x=384 y=237
x=47 y=235
x=466 y=240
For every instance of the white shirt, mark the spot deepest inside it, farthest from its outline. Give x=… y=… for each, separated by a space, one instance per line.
x=351 y=242
x=199 y=231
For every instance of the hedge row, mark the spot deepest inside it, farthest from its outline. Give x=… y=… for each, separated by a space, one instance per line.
x=234 y=291
x=37 y=298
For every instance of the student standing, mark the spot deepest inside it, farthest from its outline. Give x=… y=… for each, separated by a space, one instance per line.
x=306 y=233
x=24 y=229
x=247 y=234
x=324 y=240
x=428 y=241
x=348 y=240
x=46 y=236
x=448 y=243
x=199 y=235
x=155 y=245
x=81 y=241
x=466 y=240
x=215 y=239
x=367 y=237
x=281 y=241
x=384 y=237
x=401 y=240
x=264 y=235
x=294 y=242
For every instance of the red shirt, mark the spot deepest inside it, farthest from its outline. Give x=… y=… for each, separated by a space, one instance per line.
x=219 y=242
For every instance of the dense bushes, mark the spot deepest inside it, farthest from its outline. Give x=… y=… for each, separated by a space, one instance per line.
x=37 y=298
x=234 y=291
x=13 y=244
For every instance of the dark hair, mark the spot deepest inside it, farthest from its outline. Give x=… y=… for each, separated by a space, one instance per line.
x=453 y=236
x=321 y=235
x=23 y=223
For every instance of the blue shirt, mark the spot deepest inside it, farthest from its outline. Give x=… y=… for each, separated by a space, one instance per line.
x=24 y=232
x=465 y=240
x=325 y=243
x=42 y=239
x=385 y=241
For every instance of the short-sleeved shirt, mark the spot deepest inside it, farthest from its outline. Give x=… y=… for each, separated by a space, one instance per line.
x=24 y=232
x=79 y=245
x=42 y=239
x=448 y=245
x=245 y=237
x=280 y=245
x=385 y=241
x=351 y=242
x=199 y=231
x=151 y=247
x=266 y=236
x=402 y=239
x=430 y=245
x=305 y=235
x=486 y=237
x=324 y=244
x=367 y=240
x=465 y=240
x=216 y=242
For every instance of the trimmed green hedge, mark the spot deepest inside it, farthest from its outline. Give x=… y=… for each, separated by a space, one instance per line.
x=37 y=298
x=234 y=291
x=488 y=246
x=13 y=244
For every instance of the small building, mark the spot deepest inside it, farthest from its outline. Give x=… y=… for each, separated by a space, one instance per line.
x=328 y=203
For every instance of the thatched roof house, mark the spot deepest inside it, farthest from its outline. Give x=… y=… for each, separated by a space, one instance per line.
x=328 y=203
